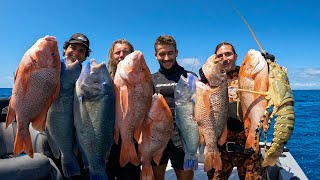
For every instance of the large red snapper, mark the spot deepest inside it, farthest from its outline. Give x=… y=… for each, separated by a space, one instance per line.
x=156 y=134
x=253 y=76
x=211 y=111
x=133 y=89
x=36 y=86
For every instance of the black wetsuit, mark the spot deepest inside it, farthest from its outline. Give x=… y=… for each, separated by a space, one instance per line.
x=165 y=82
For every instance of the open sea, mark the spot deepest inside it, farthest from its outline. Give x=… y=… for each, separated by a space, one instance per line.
x=303 y=144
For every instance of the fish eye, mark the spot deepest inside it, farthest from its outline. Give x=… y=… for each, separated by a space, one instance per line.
x=53 y=54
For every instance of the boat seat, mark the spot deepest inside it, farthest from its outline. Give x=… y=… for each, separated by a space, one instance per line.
x=22 y=166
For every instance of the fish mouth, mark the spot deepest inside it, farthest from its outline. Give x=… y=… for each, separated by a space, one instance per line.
x=261 y=63
x=95 y=66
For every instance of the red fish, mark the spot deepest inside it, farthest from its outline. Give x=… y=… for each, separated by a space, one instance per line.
x=156 y=134
x=36 y=86
x=211 y=111
x=253 y=76
x=133 y=89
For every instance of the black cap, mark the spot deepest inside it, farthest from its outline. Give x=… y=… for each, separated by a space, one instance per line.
x=80 y=39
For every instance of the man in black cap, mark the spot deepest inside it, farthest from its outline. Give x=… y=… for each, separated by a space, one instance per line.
x=76 y=48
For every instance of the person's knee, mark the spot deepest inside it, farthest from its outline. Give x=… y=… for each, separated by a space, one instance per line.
x=159 y=171
x=184 y=175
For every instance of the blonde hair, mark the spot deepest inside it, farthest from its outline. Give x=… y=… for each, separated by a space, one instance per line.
x=112 y=64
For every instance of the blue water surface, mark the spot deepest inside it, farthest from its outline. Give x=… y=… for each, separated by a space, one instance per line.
x=305 y=139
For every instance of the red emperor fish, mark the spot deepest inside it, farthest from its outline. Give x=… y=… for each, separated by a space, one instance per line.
x=211 y=111
x=36 y=86
x=134 y=90
x=253 y=82
x=156 y=134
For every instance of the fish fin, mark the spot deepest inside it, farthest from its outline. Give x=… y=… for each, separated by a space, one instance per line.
x=206 y=102
x=140 y=138
x=250 y=141
x=201 y=136
x=128 y=154
x=158 y=155
x=116 y=135
x=54 y=148
x=190 y=162
x=10 y=117
x=213 y=160
x=223 y=137
x=39 y=123
x=137 y=132
x=124 y=100
x=23 y=143
x=146 y=173
x=70 y=167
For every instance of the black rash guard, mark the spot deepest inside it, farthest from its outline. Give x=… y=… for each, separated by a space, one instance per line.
x=165 y=81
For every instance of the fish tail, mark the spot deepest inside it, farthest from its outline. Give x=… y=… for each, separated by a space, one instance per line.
x=190 y=162
x=128 y=154
x=70 y=167
x=23 y=143
x=213 y=160
x=250 y=141
x=116 y=135
x=147 y=173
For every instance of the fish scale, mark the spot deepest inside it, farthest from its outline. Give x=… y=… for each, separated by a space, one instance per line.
x=134 y=89
x=94 y=116
x=60 y=128
x=187 y=125
x=36 y=86
x=211 y=111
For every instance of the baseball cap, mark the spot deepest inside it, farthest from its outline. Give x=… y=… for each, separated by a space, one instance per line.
x=80 y=39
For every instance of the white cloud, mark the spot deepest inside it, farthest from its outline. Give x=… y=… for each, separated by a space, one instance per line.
x=304 y=78
x=191 y=64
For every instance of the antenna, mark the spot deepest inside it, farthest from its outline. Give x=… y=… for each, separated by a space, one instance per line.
x=254 y=36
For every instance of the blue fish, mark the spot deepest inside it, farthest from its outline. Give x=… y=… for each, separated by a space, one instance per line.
x=188 y=128
x=94 y=117
x=59 y=127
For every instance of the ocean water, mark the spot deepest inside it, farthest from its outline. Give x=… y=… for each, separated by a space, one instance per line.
x=303 y=144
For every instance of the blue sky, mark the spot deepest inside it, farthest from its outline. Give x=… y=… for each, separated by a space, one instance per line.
x=288 y=29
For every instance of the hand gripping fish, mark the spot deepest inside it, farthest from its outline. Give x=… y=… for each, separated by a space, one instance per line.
x=211 y=111
x=36 y=86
